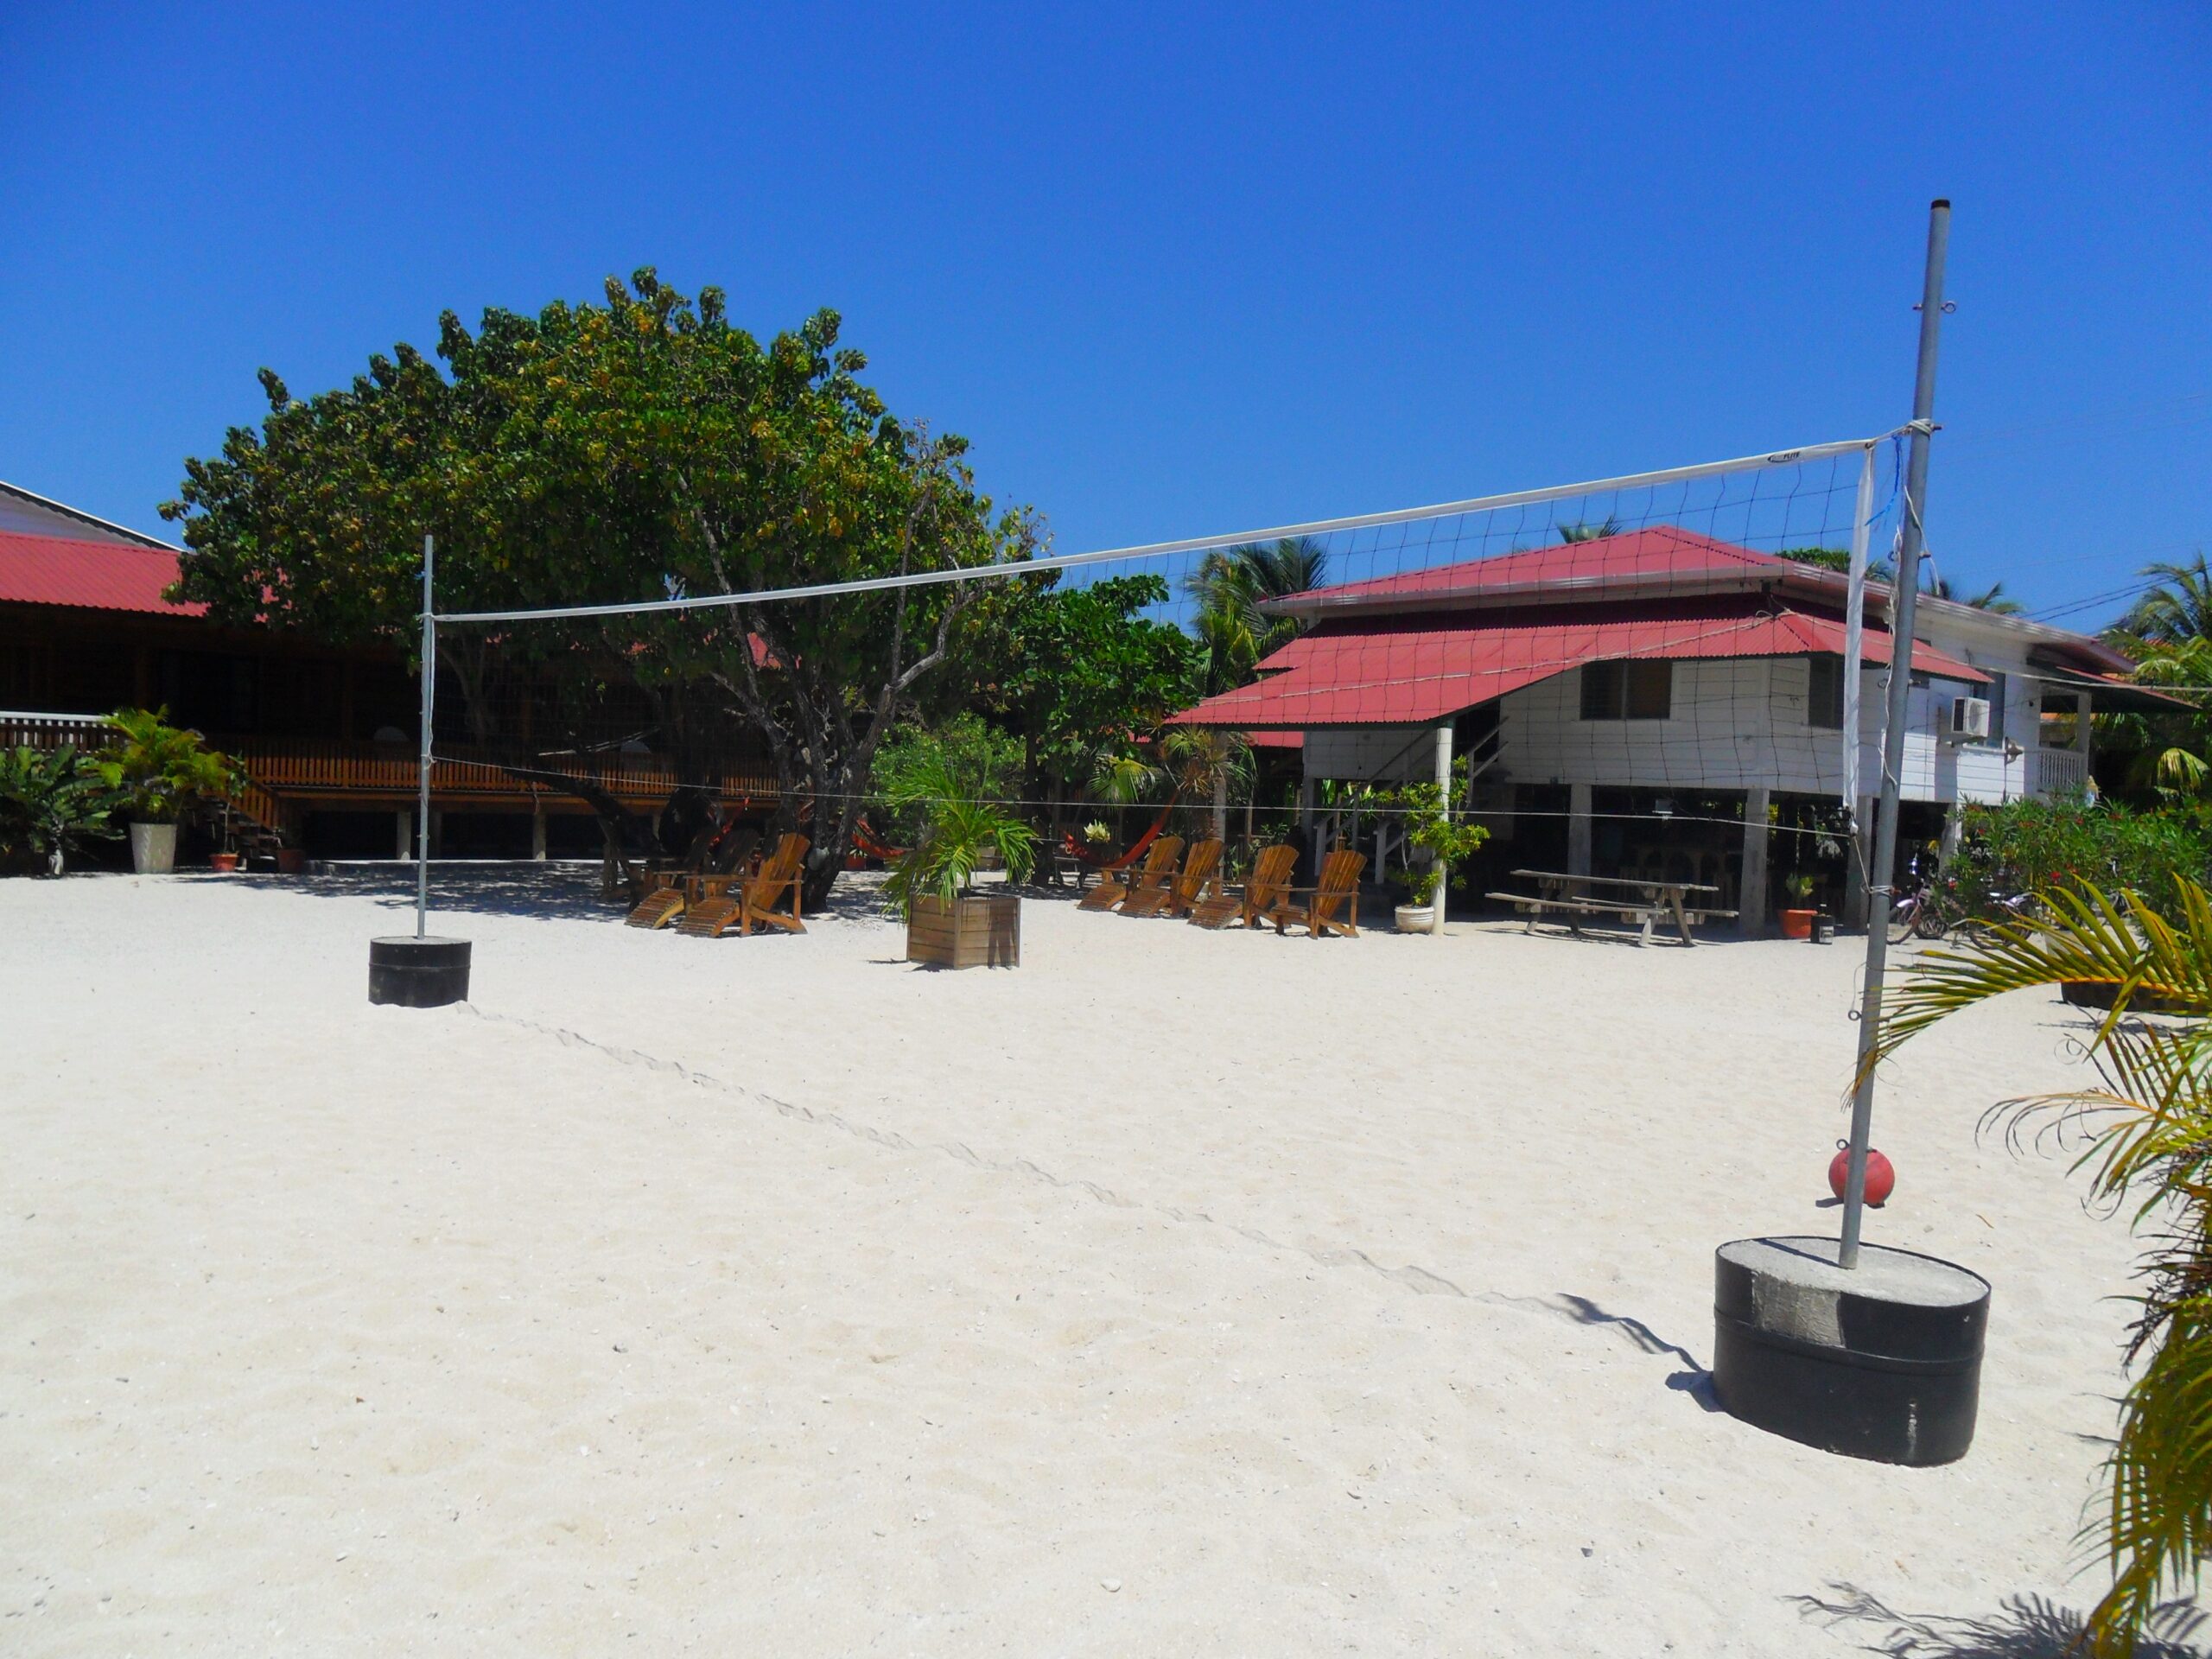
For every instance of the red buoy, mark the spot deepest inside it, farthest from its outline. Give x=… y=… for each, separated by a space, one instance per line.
x=1881 y=1175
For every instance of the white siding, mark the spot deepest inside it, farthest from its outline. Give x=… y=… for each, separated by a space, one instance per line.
x=1735 y=723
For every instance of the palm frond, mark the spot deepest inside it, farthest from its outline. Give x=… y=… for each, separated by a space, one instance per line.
x=2148 y=1140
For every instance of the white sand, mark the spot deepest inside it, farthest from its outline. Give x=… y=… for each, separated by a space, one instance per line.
x=1178 y=1292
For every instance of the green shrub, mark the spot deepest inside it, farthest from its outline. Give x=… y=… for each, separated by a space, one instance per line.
x=2031 y=846
x=51 y=801
x=165 y=772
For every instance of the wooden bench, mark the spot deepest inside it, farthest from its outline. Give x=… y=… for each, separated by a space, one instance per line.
x=1642 y=903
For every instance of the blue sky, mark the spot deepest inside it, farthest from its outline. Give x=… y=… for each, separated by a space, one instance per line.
x=1174 y=271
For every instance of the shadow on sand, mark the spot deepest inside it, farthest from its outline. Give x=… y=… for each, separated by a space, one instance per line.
x=2025 y=1627
x=561 y=890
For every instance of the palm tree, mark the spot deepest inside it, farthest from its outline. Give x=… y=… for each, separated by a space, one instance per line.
x=2149 y=1125
x=1583 y=530
x=2176 y=757
x=1992 y=598
x=1231 y=584
x=1207 y=761
x=2178 y=608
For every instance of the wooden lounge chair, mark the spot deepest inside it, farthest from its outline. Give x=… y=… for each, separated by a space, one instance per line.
x=1175 y=896
x=1317 y=911
x=1249 y=905
x=1153 y=873
x=663 y=903
x=768 y=898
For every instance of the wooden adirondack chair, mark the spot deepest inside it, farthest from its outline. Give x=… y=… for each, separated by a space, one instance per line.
x=1153 y=873
x=1318 y=911
x=663 y=903
x=769 y=896
x=1249 y=904
x=1175 y=896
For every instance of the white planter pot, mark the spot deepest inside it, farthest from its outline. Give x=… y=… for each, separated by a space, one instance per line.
x=153 y=848
x=1416 y=918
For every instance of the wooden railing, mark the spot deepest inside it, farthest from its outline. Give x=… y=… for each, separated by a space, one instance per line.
x=281 y=767
x=2056 y=773
x=321 y=765
x=19 y=727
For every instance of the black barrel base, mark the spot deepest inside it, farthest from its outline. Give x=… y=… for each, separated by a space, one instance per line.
x=1883 y=1363
x=411 y=973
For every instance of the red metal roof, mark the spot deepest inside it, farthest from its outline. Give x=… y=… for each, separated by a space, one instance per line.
x=1638 y=558
x=91 y=575
x=1417 y=671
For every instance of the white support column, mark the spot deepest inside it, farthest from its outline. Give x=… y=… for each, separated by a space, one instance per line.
x=538 y=833
x=1953 y=822
x=404 y=820
x=1578 y=829
x=1854 y=869
x=1444 y=795
x=1751 y=897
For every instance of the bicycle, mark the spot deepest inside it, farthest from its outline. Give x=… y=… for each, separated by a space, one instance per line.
x=1936 y=912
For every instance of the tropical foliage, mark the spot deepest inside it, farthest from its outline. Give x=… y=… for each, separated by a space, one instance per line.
x=960 y=835
x=640 y=449
x=1076 y=673
x=2146 y=1136
x=51 y=801
x=2031 y=846
x=962 y=758
x=163 y=773
x=1231 y=586
x=2178 y=608
x=1447 y=836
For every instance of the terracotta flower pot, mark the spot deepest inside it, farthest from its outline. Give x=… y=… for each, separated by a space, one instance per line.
x=1797 y=924
x=291 y=860
x=223 y=863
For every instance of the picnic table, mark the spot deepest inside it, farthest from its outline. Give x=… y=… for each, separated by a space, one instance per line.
x=1633 y=899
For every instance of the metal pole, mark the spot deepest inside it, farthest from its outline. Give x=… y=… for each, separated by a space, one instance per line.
x=429 y=692
x=1905 y=590
x=1444 y=802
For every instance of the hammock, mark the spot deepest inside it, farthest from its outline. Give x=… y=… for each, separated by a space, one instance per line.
x=1109 y=865
x=874 y=849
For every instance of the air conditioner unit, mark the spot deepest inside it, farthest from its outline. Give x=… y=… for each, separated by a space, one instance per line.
x=1969 y=716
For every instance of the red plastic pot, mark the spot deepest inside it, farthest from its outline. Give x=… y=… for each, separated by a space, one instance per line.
x=1797 y=924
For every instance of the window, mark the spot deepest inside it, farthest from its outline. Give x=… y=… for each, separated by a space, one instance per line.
x=1628 y=690
x=1824 y=696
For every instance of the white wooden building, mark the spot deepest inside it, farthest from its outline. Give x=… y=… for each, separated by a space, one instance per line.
x=1660 y=674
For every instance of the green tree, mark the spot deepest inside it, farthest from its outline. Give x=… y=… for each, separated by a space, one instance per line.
x=1074 y=672
x=1992 y=598
x=2177 y=609
x=1230 y=587
x=638 y=450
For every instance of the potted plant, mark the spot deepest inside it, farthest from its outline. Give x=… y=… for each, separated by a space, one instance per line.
x=165 y=774
x=1797 y=919
x=1448 y=841
x=50 y=801
x=931 y=886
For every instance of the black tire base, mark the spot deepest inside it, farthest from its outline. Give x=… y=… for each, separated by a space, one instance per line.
x=412 y=972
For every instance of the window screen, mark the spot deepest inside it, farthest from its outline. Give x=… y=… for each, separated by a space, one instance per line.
x=1634 y=690
x=1824 y=699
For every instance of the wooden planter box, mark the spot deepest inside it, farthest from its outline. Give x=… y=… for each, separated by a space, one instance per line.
x=2093 y=994
x=976 y=930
